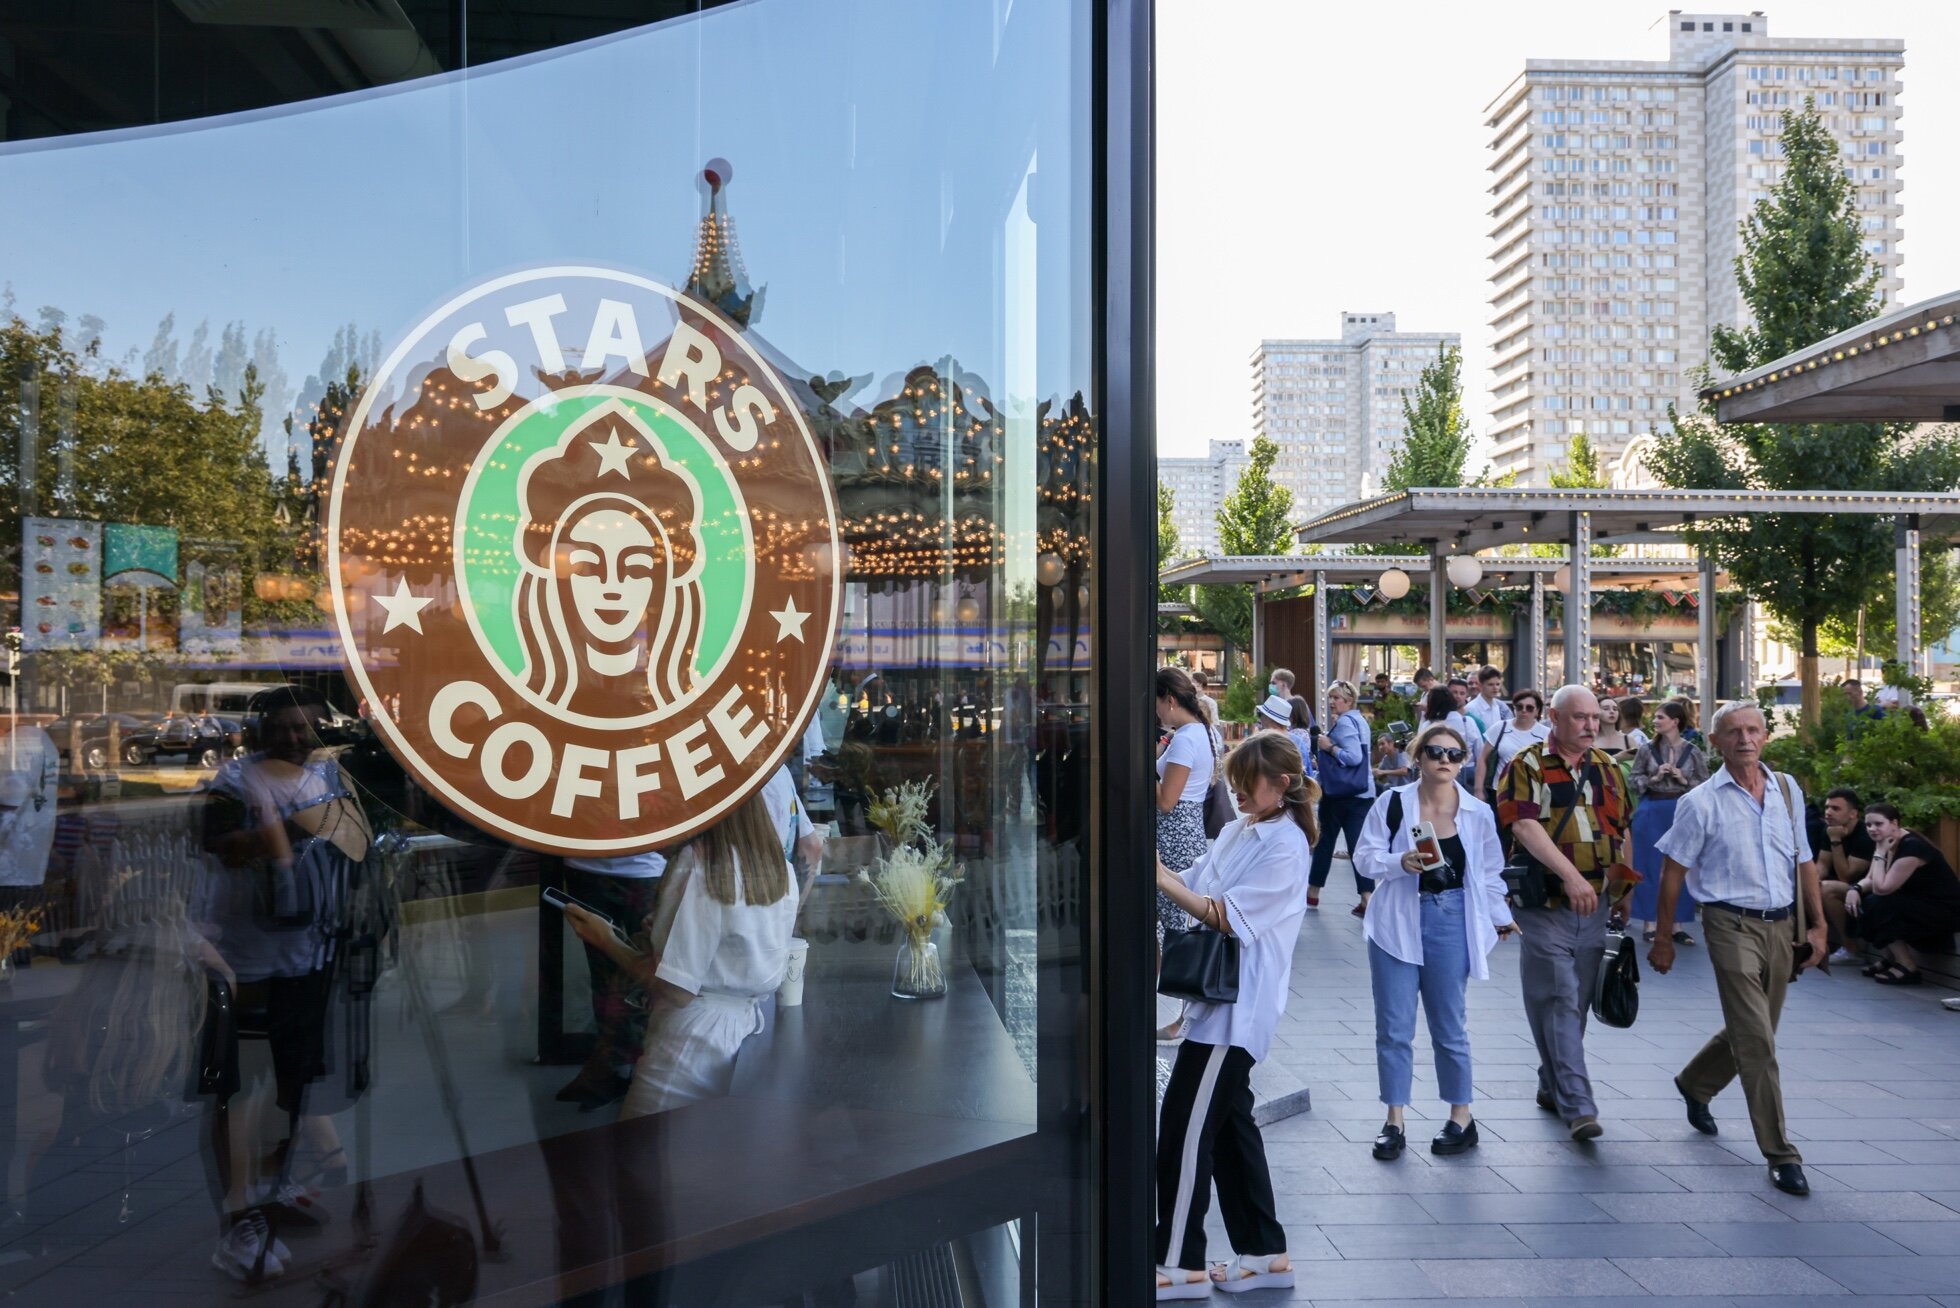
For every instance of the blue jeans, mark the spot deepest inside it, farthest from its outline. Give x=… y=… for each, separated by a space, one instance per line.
x=1440 y=980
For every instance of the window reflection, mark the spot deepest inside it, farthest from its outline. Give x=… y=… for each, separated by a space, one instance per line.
x=278 y=1013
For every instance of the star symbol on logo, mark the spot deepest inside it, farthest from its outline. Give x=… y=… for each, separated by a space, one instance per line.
x=613 y=455
x=789 y=622
x=404 y=608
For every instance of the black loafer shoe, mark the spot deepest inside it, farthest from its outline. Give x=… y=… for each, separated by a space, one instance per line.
x=1454 y=1139
x=1699 y=1115
x=1547 y=1103
x=1389 y=1144
x=1789 y=1178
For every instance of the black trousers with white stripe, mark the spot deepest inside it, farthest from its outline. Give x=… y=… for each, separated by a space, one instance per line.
x=1207 y=1134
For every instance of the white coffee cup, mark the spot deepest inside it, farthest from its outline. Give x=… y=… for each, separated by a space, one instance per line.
x=790 y=993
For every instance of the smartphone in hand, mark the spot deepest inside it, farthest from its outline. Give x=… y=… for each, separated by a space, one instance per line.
x=1428 y=848
x=559 y=900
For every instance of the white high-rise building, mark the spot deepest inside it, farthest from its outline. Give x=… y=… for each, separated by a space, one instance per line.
x=1198 y=489
x=1334 y=407
x=1618 y=189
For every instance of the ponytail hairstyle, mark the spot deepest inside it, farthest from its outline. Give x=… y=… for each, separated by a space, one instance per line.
x=1273 y=755
x=1175 y=684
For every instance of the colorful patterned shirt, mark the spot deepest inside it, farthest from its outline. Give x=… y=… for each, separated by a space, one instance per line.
x=1586 y=815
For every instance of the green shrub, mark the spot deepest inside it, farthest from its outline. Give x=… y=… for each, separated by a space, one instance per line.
x=1242 y=697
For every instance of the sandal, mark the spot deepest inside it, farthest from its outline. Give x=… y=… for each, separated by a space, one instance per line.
x=1252 y=1272
x=1683 y=938
x=1876 y=967
x=1175 y=1283
x=1899 y=976
x=1648 y=935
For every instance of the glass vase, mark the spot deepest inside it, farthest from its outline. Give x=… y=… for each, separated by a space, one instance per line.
x=917 y=974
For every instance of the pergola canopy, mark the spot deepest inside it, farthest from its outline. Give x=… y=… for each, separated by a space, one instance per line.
x=1267 y=573
x=1902 y=367
x=1469 y=518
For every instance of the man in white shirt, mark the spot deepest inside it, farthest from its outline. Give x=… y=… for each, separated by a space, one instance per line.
x=1489 y=707
x=1738 y=842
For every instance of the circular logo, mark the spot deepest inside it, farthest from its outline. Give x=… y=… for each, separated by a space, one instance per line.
x=582 y=553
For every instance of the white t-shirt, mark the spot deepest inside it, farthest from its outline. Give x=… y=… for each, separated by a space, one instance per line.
x=739 y=949
x=1191 y=746
x=1507 y=738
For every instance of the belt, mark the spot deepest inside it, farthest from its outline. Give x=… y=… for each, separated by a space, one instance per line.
x=1759 y=914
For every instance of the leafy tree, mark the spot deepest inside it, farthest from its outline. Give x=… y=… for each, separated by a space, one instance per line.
x=1255 y=519
x=1435 y=434
x=1582 y=470
x=1803 y=276
x=1169 y=547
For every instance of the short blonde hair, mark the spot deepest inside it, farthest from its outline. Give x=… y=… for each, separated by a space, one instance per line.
x=1346 y=690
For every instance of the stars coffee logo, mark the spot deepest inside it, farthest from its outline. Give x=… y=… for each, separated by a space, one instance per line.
x=587 y=589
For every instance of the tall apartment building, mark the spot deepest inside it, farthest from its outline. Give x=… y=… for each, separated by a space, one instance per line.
x=1334 y=407
x=1618 y=189
x=1198 y=489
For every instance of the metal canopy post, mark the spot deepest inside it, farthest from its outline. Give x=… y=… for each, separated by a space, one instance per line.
x=1578 y=599
x=1323 y=648
x=1905 y=538
x=1536 y=643
x=1705 y=654
x=1439 y=608
x=1258 y=636
x=1746 y=617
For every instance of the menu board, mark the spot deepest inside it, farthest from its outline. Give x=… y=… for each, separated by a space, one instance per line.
x=61 y=584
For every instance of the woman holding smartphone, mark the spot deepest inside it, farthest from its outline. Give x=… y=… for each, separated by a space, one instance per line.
x=1439 y=906
x=1246 y=886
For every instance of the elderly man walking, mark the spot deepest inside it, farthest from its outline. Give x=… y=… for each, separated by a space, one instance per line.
x=1564 y=804
x=1739 y=844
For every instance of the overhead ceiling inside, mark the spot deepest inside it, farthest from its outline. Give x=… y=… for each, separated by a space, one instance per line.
x=96 y=65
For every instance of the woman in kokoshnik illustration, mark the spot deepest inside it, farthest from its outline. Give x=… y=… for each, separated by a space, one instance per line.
x=609 y=604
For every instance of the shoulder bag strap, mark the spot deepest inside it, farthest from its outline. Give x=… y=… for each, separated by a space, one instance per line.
x=1796 y=863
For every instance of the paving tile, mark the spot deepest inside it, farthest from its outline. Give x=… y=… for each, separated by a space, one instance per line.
x=1465 y=1240
x=1690 y=1208
x=1705 y=1180
x=1803 y=1239
x=1879 y=1275
x=1509 y=1208
x=1564 y=1278
x=1362 y=1279
x=1409 y=1176
x=1821 y=1153
x=1351 y=1209
x=1945 y=1198
x=1916 y=1151
x=1304 y=1180
x=1802 y=1129
x=1751 y=1276
x=1920 y=1237
x=1850 y=1206
x=1621 y=1240
x=1892 y=1176
x=1590 y=1180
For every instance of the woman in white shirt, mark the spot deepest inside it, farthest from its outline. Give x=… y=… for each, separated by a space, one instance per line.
x=717 y=946
x=1184 y=768
x=1429 y=929
x=1526 y=727
x=1247 y=886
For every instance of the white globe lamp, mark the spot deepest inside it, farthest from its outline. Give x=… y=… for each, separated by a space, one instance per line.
x=1464 y=571
x=1562 y=579
x=1393 y=584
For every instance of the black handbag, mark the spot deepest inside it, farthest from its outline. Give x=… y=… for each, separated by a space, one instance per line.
x=1616 y=995
x=1200 y=965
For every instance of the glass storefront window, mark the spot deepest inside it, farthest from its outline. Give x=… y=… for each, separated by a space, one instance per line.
x=551 y=747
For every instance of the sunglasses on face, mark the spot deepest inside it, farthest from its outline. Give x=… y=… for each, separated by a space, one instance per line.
x=1444 y=753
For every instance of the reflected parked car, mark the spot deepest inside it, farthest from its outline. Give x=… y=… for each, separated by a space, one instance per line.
x=201 y=740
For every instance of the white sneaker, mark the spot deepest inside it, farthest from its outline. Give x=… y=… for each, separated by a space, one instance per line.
x=1846 y=956
x=1951 y=1005
x=239 y=1252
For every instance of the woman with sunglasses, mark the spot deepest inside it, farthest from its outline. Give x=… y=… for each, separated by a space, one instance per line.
x=1525 y=728
x=1429 y=929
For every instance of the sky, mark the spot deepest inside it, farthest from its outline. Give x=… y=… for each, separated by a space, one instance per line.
x=1315 y=158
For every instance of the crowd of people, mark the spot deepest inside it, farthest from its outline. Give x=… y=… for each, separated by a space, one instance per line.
x=1548 y=821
